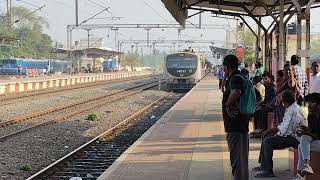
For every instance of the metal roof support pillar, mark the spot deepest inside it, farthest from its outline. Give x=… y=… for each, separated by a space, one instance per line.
x=284 y=43
x=266 y=53
x=255 y=34
x=307 y=62
x=266 y=57
x=258 y=42
x=299 y=33
x=281 y=36
x=299 y=14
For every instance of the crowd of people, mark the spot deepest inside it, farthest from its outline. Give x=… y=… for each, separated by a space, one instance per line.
x=283 y=97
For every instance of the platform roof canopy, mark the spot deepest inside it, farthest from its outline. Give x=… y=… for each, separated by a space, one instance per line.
x=91 y=52
x=179 y=8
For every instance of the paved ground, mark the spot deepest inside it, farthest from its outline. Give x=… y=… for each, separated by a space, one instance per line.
x=188 y=143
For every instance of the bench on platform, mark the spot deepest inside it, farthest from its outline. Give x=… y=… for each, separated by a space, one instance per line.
x=314 y=163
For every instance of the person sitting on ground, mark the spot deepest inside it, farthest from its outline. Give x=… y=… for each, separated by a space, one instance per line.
x=302 y=82
x=245 y=72
x=315 y=78
x=310 y=136
x=280 y=137
x=260 y=94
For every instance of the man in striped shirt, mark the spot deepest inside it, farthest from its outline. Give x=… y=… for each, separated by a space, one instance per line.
x=281 y=137
x=302 y=85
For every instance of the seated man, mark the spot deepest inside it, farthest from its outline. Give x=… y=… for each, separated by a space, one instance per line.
x=270 y=94
x=281 y=137
x=258 y=115
x=310 y=136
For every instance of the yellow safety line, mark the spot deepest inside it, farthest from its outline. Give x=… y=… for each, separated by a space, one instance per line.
x=227 y=173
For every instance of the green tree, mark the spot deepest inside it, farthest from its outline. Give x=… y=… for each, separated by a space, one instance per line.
x=315 y=47
x=27 y=19
x=28 y=29
x=248 y=39
x=249 y=58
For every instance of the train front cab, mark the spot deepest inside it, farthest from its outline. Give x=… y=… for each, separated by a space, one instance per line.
x=176 y=84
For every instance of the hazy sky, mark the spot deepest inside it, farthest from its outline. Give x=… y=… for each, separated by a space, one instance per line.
x=60 y=13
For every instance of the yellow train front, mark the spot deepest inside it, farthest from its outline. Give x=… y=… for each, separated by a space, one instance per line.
x=184 y=70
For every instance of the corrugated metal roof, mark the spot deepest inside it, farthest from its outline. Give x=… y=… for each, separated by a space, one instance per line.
x=179 y=8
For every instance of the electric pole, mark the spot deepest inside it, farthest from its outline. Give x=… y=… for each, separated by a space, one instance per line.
x=9 y=15
x=88 y=37
x=148 y=35
x=77 y=12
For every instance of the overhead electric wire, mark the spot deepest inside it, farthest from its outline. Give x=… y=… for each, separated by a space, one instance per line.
x=106 y=8
x=31 y=4
x=155 y=11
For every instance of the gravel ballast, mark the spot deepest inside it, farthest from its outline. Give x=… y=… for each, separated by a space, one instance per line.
x=36 y=149
x=18 y=107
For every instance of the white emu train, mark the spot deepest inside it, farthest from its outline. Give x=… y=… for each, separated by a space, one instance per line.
x=184 y=70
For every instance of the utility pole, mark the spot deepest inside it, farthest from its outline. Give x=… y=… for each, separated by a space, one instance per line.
x=88 y=37
x=148 y=35
x=9 y=15
x=115 y=36
x=200 y=19
x=77 y=12
x=179 y=37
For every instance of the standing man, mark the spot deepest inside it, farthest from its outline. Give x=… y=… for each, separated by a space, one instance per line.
x=315 y=78
x=235 y=123
x=302 y=82
x=220 y=77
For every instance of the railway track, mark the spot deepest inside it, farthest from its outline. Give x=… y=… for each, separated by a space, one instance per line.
x=91 y=159
x=75 y=108
x=5 y=98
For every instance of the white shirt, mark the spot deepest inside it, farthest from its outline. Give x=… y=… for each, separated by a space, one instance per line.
x=293 y=118
x=315 y=83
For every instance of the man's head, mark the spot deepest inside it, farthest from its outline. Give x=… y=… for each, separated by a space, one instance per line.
x=288 y=98
x=230 y=64
x=246 y=66
x=271 y=79
x=256 y=80
x=313 y=100
x=294 y=60
x=315 y=67
x=280 y=74
x=288 y=71
x=266 y=79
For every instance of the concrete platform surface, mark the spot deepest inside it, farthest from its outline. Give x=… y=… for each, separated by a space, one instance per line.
x=187 y=143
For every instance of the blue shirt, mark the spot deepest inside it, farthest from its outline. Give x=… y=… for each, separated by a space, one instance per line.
x=221 y=74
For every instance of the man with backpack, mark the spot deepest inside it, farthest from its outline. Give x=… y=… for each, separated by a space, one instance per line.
x=238 y=104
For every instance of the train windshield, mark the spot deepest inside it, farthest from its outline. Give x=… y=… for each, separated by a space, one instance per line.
x=7 y=63
x=181 y=62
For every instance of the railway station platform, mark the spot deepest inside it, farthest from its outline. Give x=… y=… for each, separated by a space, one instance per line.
x=47 y=82
x=188 y=143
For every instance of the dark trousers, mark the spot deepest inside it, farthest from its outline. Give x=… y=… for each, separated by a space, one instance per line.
x=271 y=143
x=238 y=144
x=220 y=83
x=258 y=119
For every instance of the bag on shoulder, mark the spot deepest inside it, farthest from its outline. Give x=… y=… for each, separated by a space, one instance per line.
x=247 y=101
